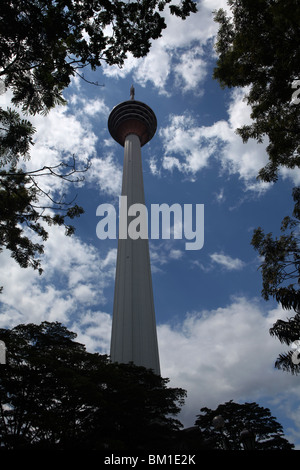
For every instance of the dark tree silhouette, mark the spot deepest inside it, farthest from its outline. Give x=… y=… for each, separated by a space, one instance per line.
x=280 y=270
x=54 y=394
x=258 y=47
x=237 y=417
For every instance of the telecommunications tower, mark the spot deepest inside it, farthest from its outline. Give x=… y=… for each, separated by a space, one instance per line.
x=133 y=339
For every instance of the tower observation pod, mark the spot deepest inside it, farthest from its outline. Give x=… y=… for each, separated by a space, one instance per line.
x=133 y=338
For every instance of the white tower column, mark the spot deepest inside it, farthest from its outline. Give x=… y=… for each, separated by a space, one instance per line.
x=133 y=337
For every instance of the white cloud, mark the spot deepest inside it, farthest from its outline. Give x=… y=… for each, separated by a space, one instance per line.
x=60 y=136
x=183 y=137
x=225 y=354
x=220 y=197
x=106 y=173
x=169 y=163
x=230 y=264
x=89 y=107
x=93 y=330
x=243 y=159
x=75 y=277
x=66 y=131
x=153 y=166
x=221 y=260
x=191 y=70
x=189 y=147
x=95 y=106
x=291 y=174
x=176 y=254
x=180 y=41
x=161 y=252
x=62 y=132
x=155 y=67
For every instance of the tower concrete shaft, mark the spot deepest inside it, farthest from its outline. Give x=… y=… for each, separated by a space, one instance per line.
x=134 y=337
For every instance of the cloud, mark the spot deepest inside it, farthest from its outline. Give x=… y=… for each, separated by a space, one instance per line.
x=221 y=260
x=62 y=132
x=93 y=330
x=191 y=70
x=238 y=158
x=184 y=138
x=225 y=354
x=176 y=254
x=162 y=252
x=106 y=173
x=155 y=67
x=220 y=197
x=189 y=147
x=66 y=131
x=153 y=166
x=230 y=264
x=95 y=106
x=74 y=280
x=170 y=56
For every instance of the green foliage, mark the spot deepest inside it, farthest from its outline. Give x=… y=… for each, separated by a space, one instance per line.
x=56 y=395
x=281 y=278
x=21 y=215
x=44 y=42
x=259 y=48
x=288 y=332
x=15 y=137
x=16 y=207
x=281 y=259
x=237 y=417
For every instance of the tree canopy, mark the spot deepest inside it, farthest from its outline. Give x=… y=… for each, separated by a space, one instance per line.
x=280 y=270
x=236 y=418
x=56 y=395
x=258 y=47
x=280 y=256
x=43 y=43
x=288 y=332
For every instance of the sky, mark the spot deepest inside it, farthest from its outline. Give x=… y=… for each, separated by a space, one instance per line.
x=212 y=323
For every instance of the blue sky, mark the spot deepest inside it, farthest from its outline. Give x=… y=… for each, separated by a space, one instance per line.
x=212 y=322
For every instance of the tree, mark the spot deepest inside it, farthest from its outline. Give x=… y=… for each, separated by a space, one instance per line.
x=237 y=417
x=258 y=48
x=20 y=207
x=288 y=332
x=281 y=259
x=56 y=395
x=280 y=270
x=43 y=44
